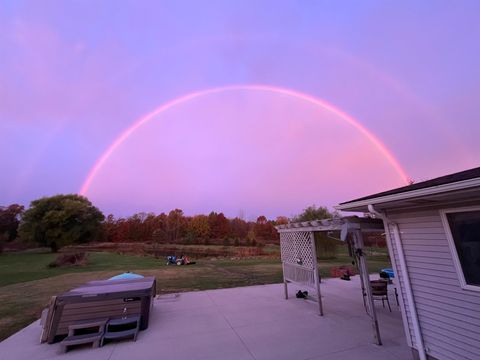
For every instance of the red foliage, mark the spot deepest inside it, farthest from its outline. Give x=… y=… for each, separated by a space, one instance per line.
x=176 y=228
x=219 y=225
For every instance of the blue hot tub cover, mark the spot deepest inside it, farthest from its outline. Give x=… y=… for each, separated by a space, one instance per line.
x=125 y=276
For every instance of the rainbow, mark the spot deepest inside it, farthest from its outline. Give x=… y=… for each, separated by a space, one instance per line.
x=249 y=87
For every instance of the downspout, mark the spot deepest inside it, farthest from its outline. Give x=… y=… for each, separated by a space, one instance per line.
x=406 y=279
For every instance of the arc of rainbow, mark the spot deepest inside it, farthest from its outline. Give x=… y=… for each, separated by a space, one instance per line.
x=253 y=87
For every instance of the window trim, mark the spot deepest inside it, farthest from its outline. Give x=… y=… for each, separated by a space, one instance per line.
x=453 y=248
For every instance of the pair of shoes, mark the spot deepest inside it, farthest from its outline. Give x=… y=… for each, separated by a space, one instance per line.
x=301 y=294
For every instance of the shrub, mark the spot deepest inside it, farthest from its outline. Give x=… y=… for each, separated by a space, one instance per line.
x=74 y=259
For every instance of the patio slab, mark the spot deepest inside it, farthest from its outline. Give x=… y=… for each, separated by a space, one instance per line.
x=253 y=322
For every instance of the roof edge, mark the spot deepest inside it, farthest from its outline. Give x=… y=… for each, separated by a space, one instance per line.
x=438 y=189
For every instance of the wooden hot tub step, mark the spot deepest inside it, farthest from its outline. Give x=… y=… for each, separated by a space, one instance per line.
x=94 y=337
x=133 y=322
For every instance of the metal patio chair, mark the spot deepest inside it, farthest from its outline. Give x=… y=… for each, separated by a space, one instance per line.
x=380 y=291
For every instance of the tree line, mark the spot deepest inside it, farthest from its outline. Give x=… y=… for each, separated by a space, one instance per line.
x=62 y=220
x=177 y=228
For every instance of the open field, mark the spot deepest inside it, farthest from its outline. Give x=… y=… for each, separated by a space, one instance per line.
x=26 y=283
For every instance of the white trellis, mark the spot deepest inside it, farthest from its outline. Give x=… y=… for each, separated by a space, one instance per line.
x=299 y=258
x=299 y=261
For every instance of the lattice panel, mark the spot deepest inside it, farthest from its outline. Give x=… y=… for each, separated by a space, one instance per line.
x=299 y=275
x=297 y=248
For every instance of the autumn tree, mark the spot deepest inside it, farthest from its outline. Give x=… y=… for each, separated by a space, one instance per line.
x=109 y=229
x=150 y=224
x=262 y=229
x=198 y=227
x=238 y=228
x=219 y=225
x=61 y=220
x=140 y=227
x=265 y=231
x=262 y=220
x=281 y=220
x=175 y=225
x=159 y=234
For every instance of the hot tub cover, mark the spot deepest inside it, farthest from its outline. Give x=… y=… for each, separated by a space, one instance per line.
x=127 y=275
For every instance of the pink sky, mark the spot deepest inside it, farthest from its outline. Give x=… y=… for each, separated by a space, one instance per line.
x=244 y=151
x=76 y=75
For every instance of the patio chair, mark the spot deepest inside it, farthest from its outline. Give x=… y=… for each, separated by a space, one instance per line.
x=380 y=291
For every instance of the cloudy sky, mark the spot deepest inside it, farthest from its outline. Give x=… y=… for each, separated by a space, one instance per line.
x=245 y=107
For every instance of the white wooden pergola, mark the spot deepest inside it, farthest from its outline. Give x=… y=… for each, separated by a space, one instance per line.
x=299 y=257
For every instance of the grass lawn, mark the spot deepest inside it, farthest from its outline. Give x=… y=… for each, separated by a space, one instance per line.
x=26 y=283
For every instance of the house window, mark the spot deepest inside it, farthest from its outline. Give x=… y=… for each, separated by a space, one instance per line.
x=463 y=231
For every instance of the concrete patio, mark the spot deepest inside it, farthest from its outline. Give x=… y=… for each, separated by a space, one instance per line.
x=244 y=323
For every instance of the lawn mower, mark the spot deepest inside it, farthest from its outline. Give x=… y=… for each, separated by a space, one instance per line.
x=180 y=260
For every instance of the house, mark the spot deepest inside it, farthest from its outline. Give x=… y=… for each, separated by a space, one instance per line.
x=433 y=236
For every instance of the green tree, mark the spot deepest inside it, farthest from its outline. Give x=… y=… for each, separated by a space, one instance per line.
x=61 y=220
x=326 y=247
x=9 y=220
x=313 y=213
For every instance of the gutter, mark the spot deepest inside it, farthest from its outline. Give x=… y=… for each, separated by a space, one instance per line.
x=459 y=185
x=405 y=277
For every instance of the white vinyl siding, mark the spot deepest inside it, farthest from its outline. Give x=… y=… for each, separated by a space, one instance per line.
x=449 y=315
x=399 y=285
